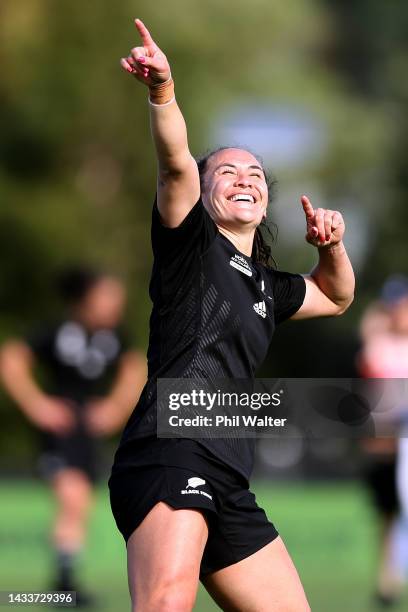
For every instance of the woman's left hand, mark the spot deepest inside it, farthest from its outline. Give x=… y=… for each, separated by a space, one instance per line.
x=323 y=227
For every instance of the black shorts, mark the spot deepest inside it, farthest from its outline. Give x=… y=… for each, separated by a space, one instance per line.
x=381 y=478
x=237 y=526
x=79 y=450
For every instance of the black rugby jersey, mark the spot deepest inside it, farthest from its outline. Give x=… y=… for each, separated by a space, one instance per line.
x=78 y=364
x=214 y=314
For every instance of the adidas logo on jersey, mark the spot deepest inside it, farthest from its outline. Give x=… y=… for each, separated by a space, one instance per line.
x=260 y=309
x=240 y=263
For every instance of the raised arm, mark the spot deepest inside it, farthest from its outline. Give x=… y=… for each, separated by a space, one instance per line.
x=178 y=182
x=330 y=285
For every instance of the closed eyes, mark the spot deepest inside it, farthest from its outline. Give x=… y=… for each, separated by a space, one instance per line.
x=229 y=171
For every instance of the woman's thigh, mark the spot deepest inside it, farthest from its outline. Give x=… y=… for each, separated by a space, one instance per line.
x=164 y=555
x=266 y=581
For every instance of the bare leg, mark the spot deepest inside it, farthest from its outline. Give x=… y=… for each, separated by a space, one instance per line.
x=164 y=556
x=389 y=578
x=73 y=492
x=266 y=581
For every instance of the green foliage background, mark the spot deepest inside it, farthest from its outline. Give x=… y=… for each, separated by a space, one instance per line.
x=77 y=170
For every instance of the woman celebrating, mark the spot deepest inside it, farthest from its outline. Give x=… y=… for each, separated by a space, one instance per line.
x=215 y=306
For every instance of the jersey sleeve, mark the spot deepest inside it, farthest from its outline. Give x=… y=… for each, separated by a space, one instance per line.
x=289 y=292
x=196 y=232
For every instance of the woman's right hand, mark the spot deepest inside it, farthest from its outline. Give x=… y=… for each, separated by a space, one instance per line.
x=147 y=63
x=51 y=414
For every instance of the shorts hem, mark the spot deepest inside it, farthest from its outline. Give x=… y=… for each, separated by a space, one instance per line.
x=170 y=501
x=240 y=557
x=49 y=475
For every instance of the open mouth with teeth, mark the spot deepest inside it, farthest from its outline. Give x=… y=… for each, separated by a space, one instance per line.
x=242 y=197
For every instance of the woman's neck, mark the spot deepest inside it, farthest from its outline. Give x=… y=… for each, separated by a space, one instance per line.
x=243 y=241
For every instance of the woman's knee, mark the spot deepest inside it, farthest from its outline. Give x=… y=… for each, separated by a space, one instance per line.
x=177 y=595
x=73 y=492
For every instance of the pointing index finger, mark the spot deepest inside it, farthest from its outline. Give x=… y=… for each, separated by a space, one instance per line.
x=307 y=207
x=147 y=40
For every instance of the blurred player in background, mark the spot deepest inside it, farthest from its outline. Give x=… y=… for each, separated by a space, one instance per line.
x=384 y=354
x=93 y=380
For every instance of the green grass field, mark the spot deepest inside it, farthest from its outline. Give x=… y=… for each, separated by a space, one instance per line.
x=328 y=529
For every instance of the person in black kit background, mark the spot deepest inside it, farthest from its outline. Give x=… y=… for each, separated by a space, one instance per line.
x=216 y=303
x=384 y=354
x=92 y=380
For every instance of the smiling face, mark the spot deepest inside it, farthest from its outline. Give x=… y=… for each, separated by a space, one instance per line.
x=234 y=189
